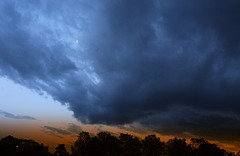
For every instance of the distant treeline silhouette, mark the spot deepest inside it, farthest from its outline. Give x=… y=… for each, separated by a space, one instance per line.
x=104 y=144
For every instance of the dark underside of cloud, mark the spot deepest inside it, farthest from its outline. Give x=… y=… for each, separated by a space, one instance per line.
x=169 y=65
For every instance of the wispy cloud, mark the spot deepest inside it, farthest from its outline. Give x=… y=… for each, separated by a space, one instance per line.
x=74 y=128
x=52 y=133
x=57 y=130
x=13 y=116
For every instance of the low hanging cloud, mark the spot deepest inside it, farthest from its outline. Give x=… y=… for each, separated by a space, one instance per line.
x=13 y=116
x=57 y=130
x=169 y=65
x=74 y=128
x=188 y=123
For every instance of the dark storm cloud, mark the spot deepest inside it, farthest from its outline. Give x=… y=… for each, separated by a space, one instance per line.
x=59 y=131
x=136 y=128
x=137 y=61
x=12 y=116
x=185 y=122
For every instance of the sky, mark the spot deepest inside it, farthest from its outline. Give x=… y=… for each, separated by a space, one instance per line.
x=164 y=66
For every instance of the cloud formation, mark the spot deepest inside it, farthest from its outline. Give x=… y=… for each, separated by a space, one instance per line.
x=12 y=116
x=74 y=128
x=59 y=131
x=170 y=65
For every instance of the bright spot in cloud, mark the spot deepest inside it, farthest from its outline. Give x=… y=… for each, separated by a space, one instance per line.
x=76 y=41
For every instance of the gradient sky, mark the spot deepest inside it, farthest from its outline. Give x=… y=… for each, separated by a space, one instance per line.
x=164 y=66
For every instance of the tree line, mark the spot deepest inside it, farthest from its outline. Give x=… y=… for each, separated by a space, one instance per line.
x=105 y=144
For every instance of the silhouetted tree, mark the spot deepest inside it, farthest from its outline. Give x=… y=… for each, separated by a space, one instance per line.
x=130 y=146
x=195 y=143
x=204 y=148
x=152 y=146
x=109 y=145
x=101 y=145
x=208 y=149
x=229 y=154
x=104 y=144
x=178 y=147
x=82 y=145
x=61 y=150
x=238 y=153
x=10 y=146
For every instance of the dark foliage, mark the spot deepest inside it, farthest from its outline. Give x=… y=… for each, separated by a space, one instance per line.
x=61 y=150
x=152 y=146
x=10 y=146
x=126 y=145
x=104 y=144
x=178 y=146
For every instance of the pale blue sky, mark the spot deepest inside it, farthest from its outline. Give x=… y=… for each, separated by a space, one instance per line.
x=19 y=100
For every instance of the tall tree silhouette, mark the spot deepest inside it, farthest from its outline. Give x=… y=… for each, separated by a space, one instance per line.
x=101 y=145
x=178 y=147
x=152 y=146
x=204 y=148
x=61 y=150
x=82 y=145
x=130 y=146
x=109 y=145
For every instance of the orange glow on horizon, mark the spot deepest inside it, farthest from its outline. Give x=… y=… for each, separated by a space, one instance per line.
x=34 y=130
